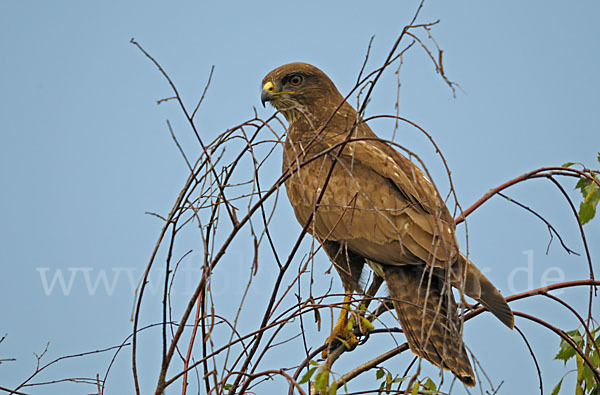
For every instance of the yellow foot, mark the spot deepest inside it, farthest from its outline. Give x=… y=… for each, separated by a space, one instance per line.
x=342 y=331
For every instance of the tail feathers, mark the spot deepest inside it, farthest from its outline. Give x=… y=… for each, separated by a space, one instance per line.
x=428 y=316
x=493 y=300
x=481 y=289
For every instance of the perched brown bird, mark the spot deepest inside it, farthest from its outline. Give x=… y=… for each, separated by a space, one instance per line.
x=368 y=203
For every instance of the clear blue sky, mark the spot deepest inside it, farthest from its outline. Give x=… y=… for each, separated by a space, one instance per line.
x=85 y=151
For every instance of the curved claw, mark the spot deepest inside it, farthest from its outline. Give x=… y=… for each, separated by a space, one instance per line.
x=343 y=331
x=341 y=334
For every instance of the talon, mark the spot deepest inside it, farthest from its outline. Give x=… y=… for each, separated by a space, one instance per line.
x=343 y=331
x=343 y=336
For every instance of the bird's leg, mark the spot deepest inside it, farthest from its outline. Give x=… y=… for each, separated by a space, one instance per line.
x=364 y=324
x=342 y=332
x=349 y=266
x=347 y=328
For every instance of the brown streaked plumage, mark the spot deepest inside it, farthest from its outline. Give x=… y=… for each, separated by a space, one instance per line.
x=376 y=208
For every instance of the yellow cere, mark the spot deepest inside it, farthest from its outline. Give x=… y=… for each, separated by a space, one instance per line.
x=269 y=87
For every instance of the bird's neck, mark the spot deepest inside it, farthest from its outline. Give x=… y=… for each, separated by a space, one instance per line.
x=322 y=122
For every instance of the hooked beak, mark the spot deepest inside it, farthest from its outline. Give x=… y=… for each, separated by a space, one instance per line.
x=265 y=96
x=269 y=93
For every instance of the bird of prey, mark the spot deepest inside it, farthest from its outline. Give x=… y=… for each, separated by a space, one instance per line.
x=367 y=203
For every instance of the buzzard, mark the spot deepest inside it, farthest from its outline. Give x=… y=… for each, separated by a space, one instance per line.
x=367 y=203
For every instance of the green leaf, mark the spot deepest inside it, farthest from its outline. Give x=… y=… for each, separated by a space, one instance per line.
x=582 y=184
x=577 y=338
x=430 y=385
x=591 y=196
x=367 y=324
x=579 y=383
x=598 y=157
x=588 y=377
x=568 y=164
x=592 y=193
x=567 y=352
x=333 y=389
x=415 y=389
x=306 y=377
x=227 y=386
x=586 y=212
x=350 y=325
x=313 y=363
x=556 y=389
x=379 y=374
x=388 y=382
x=594 y=357
x=587 y=209
x=321 y=381
x=575 y=335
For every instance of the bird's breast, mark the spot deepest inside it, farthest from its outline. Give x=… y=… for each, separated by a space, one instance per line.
x=343 y=199
x=346 y=200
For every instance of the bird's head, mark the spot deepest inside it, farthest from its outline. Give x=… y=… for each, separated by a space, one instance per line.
x=299 y=88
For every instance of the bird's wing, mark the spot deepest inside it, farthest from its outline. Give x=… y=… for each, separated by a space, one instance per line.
x=397 y=214
x=418 y=223
x=410 y=180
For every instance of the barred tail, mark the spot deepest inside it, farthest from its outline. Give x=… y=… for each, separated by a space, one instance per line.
x=428 y=315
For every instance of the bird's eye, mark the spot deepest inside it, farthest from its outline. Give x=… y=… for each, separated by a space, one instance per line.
x=295 y=80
